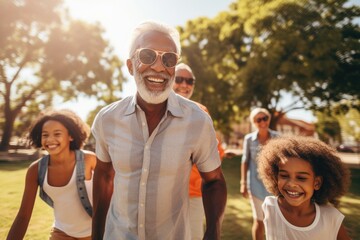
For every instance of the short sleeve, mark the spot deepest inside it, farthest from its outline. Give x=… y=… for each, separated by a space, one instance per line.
x=101 y=148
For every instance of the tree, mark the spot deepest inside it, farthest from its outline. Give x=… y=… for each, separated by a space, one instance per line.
x=265 y=49
x=348 y=115
x=45 y=52
x=328 y=127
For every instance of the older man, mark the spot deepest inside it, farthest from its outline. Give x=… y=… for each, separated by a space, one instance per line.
x=184 y=86
x=146 y=145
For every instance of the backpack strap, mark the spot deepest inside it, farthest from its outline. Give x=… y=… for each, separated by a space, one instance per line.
x=42 y=168
x=80 y=181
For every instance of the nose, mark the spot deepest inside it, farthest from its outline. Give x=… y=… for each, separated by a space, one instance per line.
x=291 y=182
x=184 y=84
x=157 y=65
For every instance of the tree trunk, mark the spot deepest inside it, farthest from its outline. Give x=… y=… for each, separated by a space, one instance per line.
x=7 y=131
x=275 y=119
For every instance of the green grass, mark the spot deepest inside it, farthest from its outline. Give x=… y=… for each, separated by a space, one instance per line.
x=237 y=221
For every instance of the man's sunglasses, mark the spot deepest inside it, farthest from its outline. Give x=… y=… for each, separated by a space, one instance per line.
x=189 y=81
x=265 y=119
x=148 y=56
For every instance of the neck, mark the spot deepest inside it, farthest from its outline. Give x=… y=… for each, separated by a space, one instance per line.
x=153 y=112
x=64 y=156
x=150 y=108
x=263 y=133
x=303 y=209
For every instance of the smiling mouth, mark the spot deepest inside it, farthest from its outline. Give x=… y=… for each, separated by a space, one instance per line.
x=293 y=193
x=51 y=146
x=156 y=80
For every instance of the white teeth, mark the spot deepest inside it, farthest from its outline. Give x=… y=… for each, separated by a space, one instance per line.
x=293 y=193
x=158 y=80
x=52 y=146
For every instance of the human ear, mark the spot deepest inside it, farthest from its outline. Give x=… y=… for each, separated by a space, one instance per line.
x=318 y=182
x=130 y=66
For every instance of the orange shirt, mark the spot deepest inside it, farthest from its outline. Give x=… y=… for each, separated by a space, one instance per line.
x=195 y=178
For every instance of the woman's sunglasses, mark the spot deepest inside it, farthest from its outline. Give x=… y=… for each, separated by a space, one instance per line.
x=258 y=120
x=189 y=81
x=148 y=56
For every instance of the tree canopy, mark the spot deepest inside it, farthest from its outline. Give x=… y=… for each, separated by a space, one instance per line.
x=46 y=53
x=259 y=50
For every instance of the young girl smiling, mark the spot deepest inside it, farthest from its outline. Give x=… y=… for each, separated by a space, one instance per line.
x=307 y=178
x=64 y=177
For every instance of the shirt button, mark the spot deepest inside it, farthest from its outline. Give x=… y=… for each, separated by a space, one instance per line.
x=141 y=225
x=141 y=204
x=145 y=169
x=142 y=183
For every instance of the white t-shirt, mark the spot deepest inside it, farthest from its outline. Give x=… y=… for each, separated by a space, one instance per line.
x=326 y=224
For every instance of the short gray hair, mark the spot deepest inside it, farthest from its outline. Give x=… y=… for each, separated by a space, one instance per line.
x=184 y=66
x=149 y=26
x=256 y=111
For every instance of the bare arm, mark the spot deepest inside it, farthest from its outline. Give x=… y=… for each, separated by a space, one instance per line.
x=244 y=169
x=103 y=184
x=21 y=222
x=342 y=234
x=214 y=200
x=243 y=186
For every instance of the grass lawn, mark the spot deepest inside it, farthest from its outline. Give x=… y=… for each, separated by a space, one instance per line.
x=237 y=221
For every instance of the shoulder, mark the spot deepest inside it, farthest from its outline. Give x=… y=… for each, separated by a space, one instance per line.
x=329 y=211
x=270 y=200
x=250 y=136
x=119 y=107
x=269 y=205
x=274 y=133
x=32 y=172
x=202 y=107
x=189 y=108
x=89 y=158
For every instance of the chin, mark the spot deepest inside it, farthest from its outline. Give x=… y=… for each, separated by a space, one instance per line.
x=153 y=97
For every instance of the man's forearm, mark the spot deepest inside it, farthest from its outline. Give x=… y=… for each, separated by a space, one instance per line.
x=102 y=193
x=214 y=200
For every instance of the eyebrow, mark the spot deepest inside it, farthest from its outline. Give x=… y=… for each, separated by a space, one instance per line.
x=306 y=173
x=56 y=130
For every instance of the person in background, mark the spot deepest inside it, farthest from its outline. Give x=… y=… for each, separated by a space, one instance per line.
x=307 y=179
x=250 y=183
x=184 y=86
x=146 y=145
x=61 y=133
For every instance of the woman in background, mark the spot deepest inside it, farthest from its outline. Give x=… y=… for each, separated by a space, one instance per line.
x=250 y=185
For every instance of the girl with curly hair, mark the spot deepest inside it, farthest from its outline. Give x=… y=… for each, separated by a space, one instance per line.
x=64 y=177
x=307 y=178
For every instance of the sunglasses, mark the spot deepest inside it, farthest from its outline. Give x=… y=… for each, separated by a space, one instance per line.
x=189 y=81
x=259 y=120
x=148 y=56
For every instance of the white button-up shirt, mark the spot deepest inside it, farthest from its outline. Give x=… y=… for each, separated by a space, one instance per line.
x=150 y=198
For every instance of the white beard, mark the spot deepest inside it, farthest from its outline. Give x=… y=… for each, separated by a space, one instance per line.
x=152 y=97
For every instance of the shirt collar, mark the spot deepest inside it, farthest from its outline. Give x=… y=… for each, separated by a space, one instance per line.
x=255 y=134
x=173 y=105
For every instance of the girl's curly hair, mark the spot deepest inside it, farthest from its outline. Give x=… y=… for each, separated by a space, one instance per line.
x=323 y=159
x=77 y=128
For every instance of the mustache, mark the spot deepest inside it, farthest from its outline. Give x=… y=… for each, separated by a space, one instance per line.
x=151 y=73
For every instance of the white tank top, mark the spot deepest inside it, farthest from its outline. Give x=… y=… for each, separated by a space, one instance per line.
x=326 y=224
x=70 y=215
